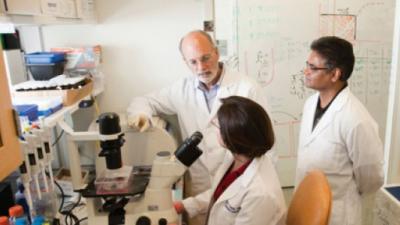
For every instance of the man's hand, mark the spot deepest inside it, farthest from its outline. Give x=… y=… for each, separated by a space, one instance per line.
x=139 y=122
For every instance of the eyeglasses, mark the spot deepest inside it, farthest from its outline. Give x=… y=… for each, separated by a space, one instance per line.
x=315 y=68
x=203 y=59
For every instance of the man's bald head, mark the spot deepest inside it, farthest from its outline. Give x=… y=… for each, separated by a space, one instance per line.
x=201 y=56
x=196 y=35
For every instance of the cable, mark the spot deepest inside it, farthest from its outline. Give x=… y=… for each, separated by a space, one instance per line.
x=79 y=221
x=68 y=213
x=73 y=218
x=97 y=113
x=62 y=193
x=76 y=203
x=96 y=106
x=57 y=139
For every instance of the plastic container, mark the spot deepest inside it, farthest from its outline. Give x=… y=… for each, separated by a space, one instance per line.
x=21 y=221
x=46 y=206
x=27 y=110
x=46 y=71
x=44 y=57
x=20 y=199
x=4 y=220
x=46 y=105
x=81 y=58
x=38 y=220
x=17 y=215
x=114 y=181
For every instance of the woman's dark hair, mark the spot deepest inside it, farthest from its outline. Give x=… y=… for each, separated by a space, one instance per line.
x=245 y=127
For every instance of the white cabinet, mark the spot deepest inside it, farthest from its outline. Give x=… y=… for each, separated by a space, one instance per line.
x=22 y=7
x=48 y=11
x=50 y=7
x=68 y=9
x=85 y=9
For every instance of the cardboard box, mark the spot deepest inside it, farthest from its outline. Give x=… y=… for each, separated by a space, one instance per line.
x=70 y=96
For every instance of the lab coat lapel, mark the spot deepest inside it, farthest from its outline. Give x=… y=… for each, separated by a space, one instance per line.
x=308 y=117
x=200 y=99
x=241 y=182
x=228 y=160
x=328 y=117
x=225 y=90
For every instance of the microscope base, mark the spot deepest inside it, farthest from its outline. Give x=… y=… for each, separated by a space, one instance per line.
x=133 y=211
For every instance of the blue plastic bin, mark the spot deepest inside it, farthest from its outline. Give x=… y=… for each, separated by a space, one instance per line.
x=44 y=57
x=46 y=71
x=31 y=111
x=395 y=191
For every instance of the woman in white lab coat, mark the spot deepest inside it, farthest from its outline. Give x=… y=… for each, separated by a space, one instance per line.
x=246 y=189
x=338 y=135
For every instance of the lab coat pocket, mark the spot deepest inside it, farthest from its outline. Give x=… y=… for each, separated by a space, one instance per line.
x=228 y=212
x=338 y=215
x=223 y=211
x=326 y=155
x=231 y=208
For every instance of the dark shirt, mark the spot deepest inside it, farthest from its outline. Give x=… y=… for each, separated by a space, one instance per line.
x=319 y=111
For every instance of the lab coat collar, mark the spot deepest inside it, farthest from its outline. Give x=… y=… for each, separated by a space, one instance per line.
x=224 y=89
x=241 y=182
x=329 y=115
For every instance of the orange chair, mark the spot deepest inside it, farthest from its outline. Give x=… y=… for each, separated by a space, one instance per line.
x=311 y=202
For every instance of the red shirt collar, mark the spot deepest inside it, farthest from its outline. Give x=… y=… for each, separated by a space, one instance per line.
x=229 y=178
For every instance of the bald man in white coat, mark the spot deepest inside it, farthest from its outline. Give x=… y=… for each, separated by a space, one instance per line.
x=195 y=100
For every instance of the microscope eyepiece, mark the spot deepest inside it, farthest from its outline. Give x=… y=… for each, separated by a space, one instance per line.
x=111 y=149
x=188 y=152
x=109 y=123
x=196 y=138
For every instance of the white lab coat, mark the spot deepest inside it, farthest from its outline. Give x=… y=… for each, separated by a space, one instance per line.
x=188 y=102
x=345 y=145
x=254 y=198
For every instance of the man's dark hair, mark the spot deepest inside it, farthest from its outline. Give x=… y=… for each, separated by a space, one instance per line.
x=338 y=54
x=245 y=127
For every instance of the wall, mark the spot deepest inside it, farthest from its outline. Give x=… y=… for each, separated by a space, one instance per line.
x=140 y=49
x=140 y=44
x=264 y=45
x=392 y=142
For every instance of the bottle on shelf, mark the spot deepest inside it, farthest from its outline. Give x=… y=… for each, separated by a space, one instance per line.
x=17 y=216
x=4 y=220
x=20 y=199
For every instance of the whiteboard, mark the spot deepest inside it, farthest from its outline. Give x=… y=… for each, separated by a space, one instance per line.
x=269 y=40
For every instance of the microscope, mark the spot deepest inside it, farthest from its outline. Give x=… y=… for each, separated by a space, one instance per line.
x=120 y=195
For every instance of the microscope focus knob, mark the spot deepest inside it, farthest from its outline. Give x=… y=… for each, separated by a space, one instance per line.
x=162 y=221
x=163 y=156
x=143 y=220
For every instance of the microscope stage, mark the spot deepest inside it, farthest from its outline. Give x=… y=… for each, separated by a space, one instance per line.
x=137 y=186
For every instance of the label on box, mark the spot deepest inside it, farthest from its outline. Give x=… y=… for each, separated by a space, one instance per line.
x=50 y=7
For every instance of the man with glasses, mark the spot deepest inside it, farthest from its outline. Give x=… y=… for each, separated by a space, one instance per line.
x=338 y=135
x=195 y=101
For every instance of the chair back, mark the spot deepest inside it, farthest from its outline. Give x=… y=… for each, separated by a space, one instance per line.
x=312 y=201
